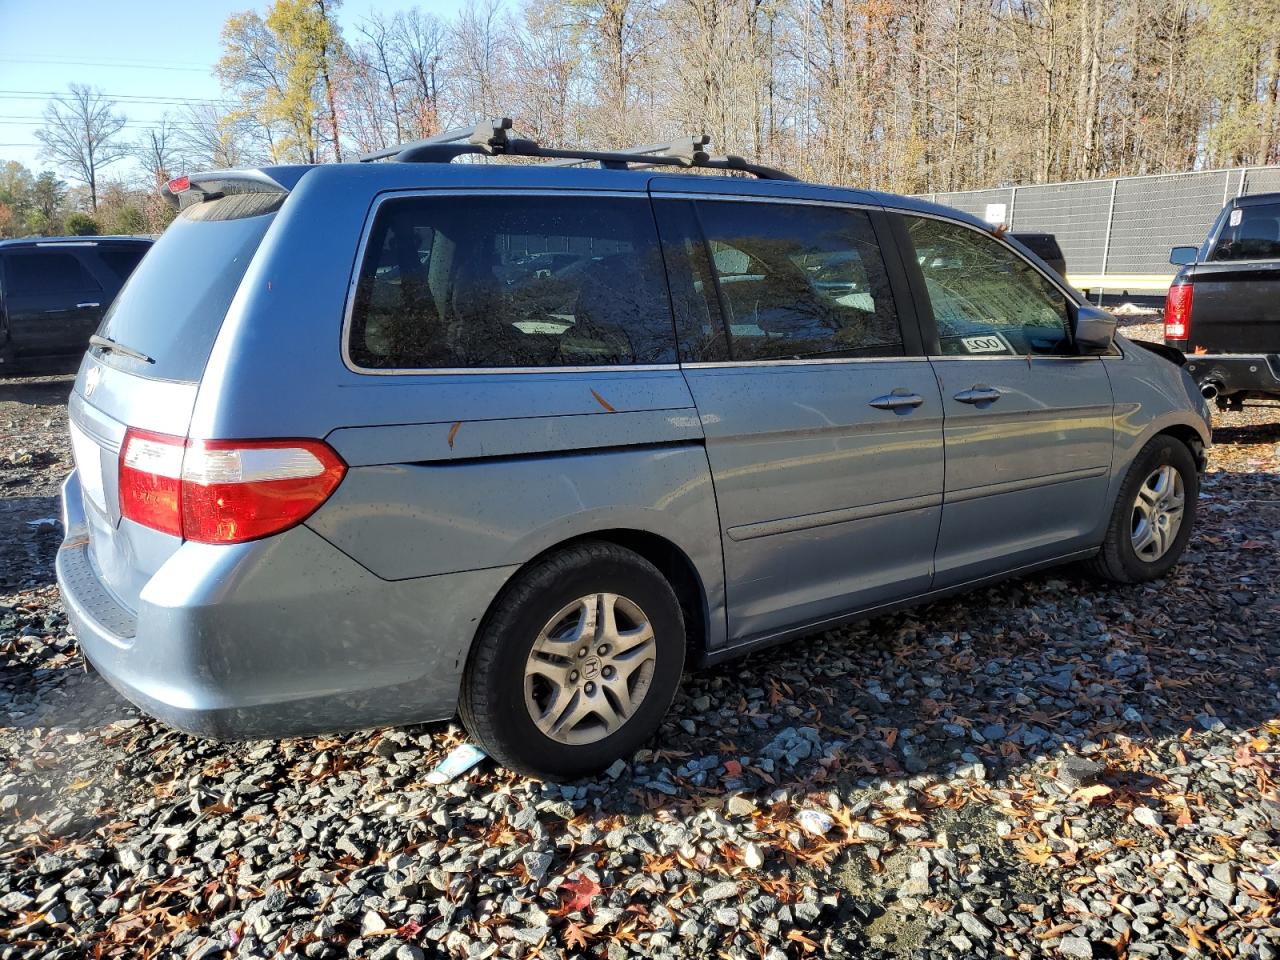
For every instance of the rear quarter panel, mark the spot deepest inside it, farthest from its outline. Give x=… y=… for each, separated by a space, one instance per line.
x=423 y=517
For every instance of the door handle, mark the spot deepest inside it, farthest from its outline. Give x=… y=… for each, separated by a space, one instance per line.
x=898 y=400
x=86 y=306
x=979 y=393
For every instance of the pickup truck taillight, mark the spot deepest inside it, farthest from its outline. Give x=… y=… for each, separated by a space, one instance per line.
x=224 y=491
x=1177 y=312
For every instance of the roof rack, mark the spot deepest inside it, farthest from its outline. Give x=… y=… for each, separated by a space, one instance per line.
x=493 y=138
x=688 y=149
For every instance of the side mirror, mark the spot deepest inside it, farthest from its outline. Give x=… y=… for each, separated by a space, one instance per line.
x=1094 y=330
x=1181 y=256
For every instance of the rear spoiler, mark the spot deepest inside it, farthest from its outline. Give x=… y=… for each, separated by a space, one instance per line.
x=193 y=188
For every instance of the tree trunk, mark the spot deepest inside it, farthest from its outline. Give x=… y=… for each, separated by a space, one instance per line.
x=1050 y=93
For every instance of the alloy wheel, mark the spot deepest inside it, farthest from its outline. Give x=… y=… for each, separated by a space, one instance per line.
x=590 y=668
x=1157 y=513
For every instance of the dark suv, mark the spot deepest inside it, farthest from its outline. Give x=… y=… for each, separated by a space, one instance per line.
x=53 y=293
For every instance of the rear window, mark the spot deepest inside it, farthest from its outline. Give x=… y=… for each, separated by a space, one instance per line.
x=47 y=274
x=173 y=305
x=1250 y=233
x=511 y=281
x=121 y=261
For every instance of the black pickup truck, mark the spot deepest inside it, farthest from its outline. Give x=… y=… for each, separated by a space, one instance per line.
x=53 y=293
x=1223 y=307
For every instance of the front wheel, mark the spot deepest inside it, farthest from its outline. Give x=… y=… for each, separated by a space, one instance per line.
x=576 y=664
x=1153 y=516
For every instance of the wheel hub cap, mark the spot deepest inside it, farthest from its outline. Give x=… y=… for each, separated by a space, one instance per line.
x=1157 y=513
x=590 y=668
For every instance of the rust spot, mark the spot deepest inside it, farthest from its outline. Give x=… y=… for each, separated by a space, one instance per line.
x=453 y=432
x=603 y=402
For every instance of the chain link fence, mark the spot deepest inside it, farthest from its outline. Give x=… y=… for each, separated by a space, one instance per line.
x=1116 y=234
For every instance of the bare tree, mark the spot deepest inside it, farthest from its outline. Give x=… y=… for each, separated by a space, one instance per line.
x=380 y=76
x=81 y=134
x=157 y=151
x=217 y=139
x=543 y=43
x=478 y=59
x=421 y=43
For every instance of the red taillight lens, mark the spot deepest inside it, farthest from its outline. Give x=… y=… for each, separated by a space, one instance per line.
x=179 y=184
x=224 y=491
x=151 y=480
x=236 y=490
x=1177 y=312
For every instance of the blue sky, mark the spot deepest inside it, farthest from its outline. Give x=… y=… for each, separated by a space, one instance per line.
x=140 y=51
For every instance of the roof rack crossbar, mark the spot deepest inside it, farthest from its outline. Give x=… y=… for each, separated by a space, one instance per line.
x=689 y=149
x=490 y=133
x=493 y=138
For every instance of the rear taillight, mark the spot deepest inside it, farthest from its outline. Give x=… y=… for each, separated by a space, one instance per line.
x=1177 y=312
x=224 y=491
x=151 y=480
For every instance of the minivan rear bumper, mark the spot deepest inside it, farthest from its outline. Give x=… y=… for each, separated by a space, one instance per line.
x=277 y=637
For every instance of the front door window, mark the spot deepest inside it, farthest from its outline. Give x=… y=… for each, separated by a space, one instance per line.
x=986 y=299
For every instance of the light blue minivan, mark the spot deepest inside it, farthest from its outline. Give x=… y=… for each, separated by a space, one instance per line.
x=376 y=443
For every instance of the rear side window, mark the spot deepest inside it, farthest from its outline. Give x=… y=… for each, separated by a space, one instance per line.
x=986 y=299
x=1250 y=233
x=173 y=304
x=47 y=273
x=121 y=261
x=793 y=282
x=511 y=281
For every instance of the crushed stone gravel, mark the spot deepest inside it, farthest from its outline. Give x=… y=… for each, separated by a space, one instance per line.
x=1047 y=767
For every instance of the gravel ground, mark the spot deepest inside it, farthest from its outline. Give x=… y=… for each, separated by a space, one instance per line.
x=1044 y=768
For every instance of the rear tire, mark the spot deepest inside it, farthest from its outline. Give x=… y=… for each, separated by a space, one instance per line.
x=1153 y=516
x=576 y=663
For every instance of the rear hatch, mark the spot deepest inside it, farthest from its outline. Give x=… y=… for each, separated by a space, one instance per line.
x=150 y=353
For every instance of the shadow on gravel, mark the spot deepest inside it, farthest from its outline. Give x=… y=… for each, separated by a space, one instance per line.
x=1250 y=433
x=29 y=541
x=44 y=392
x=71 y=698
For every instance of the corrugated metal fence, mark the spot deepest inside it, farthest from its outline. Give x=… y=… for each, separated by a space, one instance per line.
x=1120 y=230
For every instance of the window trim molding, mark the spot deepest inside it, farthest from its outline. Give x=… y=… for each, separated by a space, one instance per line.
x=810 y=362
x=365 y=233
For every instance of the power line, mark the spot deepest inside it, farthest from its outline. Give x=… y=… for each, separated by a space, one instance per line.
x=151 y=60
x=97 y=63
x=147 y=124
x=127 y=97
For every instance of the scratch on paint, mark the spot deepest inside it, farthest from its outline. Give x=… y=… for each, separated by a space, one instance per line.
x=453 y=432
x=603 y=402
